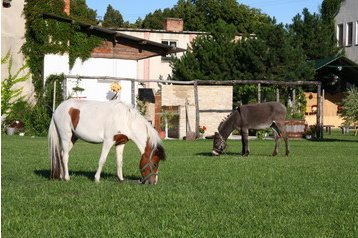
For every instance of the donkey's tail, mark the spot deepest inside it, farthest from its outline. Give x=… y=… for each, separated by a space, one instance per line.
x=54 y=151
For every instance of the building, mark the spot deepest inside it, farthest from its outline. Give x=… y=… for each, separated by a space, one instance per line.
x=12 y=38
x=347 y=28
x=173 y=35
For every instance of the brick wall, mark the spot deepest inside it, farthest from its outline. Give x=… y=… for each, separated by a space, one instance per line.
x=210 y=98
x=174 y=24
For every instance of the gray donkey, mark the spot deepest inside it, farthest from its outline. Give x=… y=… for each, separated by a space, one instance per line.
x=252 y=116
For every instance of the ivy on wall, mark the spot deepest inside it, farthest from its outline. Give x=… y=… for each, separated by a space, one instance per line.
x=49 y=36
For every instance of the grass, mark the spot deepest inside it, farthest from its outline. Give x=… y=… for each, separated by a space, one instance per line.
x=311 y=193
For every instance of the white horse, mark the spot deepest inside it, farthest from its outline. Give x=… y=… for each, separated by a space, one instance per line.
x=110 y=123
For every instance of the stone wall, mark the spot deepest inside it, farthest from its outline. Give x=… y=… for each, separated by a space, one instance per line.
x=215 y=102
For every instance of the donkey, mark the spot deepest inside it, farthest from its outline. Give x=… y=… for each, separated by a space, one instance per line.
x=252 y=116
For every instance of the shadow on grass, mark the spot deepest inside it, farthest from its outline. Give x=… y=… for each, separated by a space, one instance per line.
x=209 y=154
x=335 y=140
x=89 y=175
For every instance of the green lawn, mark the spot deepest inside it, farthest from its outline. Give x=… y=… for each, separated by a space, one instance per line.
x=311 y=193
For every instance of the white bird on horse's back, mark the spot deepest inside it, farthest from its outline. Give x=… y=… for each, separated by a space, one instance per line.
x=110 y=123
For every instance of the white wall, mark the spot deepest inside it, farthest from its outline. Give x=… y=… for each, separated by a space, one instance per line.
x=349 y=13
x=12 y=38
x=95 y=89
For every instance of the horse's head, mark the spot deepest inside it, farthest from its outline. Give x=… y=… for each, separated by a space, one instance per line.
x=219 y=144
x=149 y=163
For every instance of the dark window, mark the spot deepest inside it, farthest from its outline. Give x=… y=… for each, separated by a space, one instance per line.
x=349 y=33
x=340 y=34
x=171 y=43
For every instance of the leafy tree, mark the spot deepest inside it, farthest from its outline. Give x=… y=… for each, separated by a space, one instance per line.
x=9 y=95
x=315 y=32
x=112 y=18
x=350 y=107
x=155 y=20
x=269 y=55
x=199 y=15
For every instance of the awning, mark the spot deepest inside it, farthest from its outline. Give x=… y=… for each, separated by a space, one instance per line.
x=143 y=45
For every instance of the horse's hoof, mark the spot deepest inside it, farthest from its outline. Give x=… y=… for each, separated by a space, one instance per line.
x=215 y=153
x=274 y=154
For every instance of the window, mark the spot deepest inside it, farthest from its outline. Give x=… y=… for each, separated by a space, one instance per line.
x=349 y=33
x=340 y=34
x=357 y=33
x=171 y=43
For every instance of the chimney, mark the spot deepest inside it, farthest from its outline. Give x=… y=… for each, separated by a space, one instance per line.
x=67 y=7
x=173 y=24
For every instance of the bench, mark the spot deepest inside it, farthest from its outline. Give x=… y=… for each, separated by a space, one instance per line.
x=328 y=128
x=346 y=129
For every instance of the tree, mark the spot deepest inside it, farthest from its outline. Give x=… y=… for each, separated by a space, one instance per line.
x=316 y=32
x=112 y=18
x=350 y=107
x=199 y=15
x=269 y=55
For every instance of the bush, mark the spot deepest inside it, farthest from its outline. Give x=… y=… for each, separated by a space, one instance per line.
x=36 y=118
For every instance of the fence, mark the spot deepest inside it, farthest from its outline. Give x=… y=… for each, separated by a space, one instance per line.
x=195 y=83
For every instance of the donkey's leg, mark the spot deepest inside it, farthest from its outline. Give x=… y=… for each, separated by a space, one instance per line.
x=119 y=161
x=285 y=138
x=245 y=142
x=105 y=150
x=284 y=135
x=277 y=142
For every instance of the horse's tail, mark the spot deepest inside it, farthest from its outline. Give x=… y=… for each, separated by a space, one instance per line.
x=54 y=151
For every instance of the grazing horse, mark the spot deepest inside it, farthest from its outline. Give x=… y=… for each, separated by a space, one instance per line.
x=252 y=116
x=110 y=123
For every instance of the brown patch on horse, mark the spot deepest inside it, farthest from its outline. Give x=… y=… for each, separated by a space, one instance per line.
x=120 y=139
x=149 y=162
x=75 y=116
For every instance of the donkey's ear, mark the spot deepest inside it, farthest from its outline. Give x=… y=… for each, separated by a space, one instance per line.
x=210 y=137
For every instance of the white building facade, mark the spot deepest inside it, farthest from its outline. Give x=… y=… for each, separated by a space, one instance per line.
x=347 y=28
x=173 y=34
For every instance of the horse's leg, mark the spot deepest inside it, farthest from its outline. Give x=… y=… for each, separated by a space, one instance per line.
x=105 y=150
x=119 y=154
x=245 y=142
x=66 y=148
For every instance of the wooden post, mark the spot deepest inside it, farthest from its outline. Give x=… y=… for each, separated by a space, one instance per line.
x=322 y=108
x=277 y=95
x=294 y=100
x=54 y=97
x=319 y=125
x=133 y=93
x=259 y=93
x=197 y=114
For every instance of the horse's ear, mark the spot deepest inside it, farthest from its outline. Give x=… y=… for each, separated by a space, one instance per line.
x=209 y=137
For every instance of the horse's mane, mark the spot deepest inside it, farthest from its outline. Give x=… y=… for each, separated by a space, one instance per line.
x=134 y=115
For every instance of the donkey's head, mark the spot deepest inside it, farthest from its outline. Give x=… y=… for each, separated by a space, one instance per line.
x=219 y=144
x=149 y=163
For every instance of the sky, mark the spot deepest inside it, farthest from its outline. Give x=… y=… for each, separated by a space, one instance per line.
x=131 y=10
